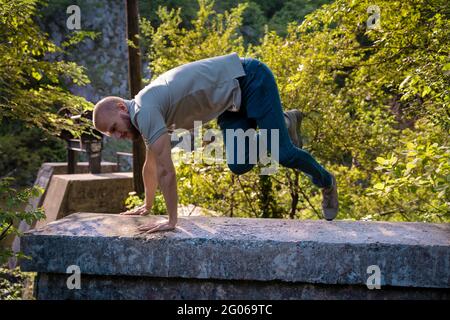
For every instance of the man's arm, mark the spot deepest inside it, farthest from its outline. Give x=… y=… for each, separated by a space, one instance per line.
x=166 y=175
x=150 y=178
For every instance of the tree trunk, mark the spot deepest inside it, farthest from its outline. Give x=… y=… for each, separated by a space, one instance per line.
x=294 y=195
x=267 y=199
x=135 y=84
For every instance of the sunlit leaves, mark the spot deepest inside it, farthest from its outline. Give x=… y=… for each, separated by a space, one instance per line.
x=376 y=104
x=212 y=34
x=33 y=84
x=13 y=211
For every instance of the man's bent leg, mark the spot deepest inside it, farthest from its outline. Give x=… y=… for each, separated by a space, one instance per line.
x=292 y=157
x=266 y=98
x=261 y=98
x=238 y=159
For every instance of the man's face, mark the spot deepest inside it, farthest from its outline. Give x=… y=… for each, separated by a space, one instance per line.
x=118 y=125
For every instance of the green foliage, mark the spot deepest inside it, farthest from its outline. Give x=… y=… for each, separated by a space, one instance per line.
x=209 y=186
x=367 y=94
x=293 y=11
x=275 y=14
x=355 y=85
x=15 y=284
x=34 y=98
x=12 y=212
x=253 y=23
x=421 y=171
x=172 y=45
x=23 y=150
x=33 y=78
x=252 y=27
x=133 y=201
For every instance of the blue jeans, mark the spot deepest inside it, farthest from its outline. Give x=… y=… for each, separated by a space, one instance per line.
x=261 y=108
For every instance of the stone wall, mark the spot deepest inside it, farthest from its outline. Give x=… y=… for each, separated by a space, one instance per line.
x=239 y=258
x=43 y=180
x=106 y=57
x=69 y=193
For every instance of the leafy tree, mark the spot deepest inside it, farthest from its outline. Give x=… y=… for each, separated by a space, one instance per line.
x=370 y=95
x=171 y=45
x=16 y=285
x=33 y=80
x=293 y=11
x=420 y=170
x=34 y=98
x=362 y=88
x=23 y=150
x=34 y=105
x=12 y=212
x=252 y=27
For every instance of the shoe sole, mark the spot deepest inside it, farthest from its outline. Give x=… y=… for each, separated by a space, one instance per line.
x=334 y=211
x=294 y=131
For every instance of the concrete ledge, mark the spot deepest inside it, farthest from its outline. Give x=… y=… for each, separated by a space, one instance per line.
x=81 y=167
x=43 y=179
x=289 y=252
x=93 y=287
x=69 y=193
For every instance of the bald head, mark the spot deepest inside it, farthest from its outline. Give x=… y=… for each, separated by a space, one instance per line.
x=105 y=110
x=112 y=118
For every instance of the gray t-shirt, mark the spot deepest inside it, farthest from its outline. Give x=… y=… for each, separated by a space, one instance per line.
x=197 y=91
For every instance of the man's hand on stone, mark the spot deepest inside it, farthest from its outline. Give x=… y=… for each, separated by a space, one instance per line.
x=139 y=211
x=157 y=226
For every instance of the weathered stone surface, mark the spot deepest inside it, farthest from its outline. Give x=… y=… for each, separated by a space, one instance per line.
x=69 y=193
x=314 y=252
x=44 y=176
x=54 y=286
x=49 y=168
x=105 y=57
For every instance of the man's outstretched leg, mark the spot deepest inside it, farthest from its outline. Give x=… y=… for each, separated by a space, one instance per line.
x=262 y=100
x=293 y=119
x=292 y=157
